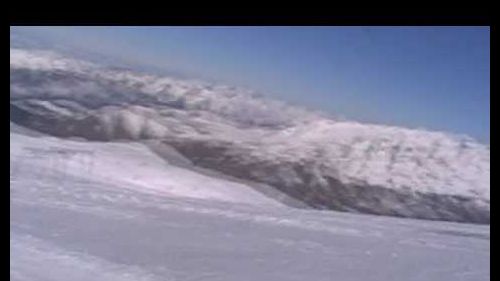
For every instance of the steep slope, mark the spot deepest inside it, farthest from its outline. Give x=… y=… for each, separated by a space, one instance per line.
x=69 y=222
x=128 y=165
x=326 y=163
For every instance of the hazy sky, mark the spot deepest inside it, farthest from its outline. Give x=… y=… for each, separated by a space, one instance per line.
x=430 y=77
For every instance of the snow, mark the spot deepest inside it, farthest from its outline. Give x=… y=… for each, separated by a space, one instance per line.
x=132 y=216
x=131 y=165
x=35 y=259
x=392 y=157
x=83 y=210
x=376 y=155
x=295 y=151
x=46 y=60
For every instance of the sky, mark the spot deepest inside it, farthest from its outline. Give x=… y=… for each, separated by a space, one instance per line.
x=437 y=78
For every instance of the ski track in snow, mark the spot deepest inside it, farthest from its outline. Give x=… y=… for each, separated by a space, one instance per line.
x=72 y=223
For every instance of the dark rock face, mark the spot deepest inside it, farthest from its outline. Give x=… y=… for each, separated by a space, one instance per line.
x=336 y=195
x=88 y=128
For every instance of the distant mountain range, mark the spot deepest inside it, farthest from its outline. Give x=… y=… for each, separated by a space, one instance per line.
x=318 y=160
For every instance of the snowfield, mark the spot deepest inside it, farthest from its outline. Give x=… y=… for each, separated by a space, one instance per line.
x=123 y=164
x=115 y=211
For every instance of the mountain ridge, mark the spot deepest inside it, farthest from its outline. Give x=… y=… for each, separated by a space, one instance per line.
x=328 y=163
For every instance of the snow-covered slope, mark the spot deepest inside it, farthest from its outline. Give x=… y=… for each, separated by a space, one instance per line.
x=326 y=163
x=75 y=219
x=128 y=165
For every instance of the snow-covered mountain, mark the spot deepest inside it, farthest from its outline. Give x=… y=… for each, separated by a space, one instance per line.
x=319 y=160
x=114 y=211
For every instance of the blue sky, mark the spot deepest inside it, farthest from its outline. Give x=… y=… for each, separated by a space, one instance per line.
x=420 y=77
